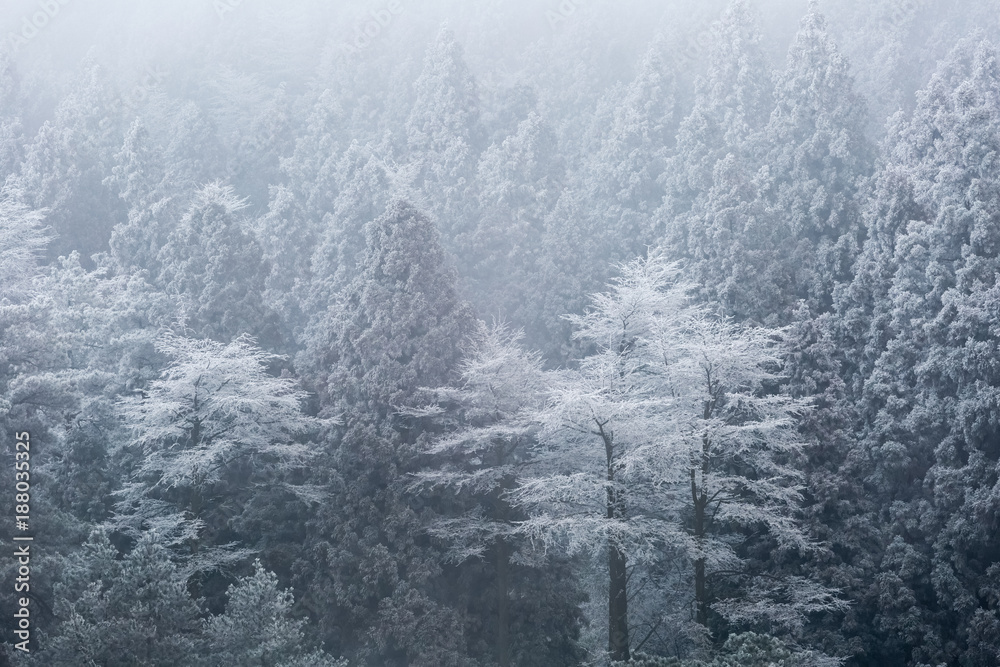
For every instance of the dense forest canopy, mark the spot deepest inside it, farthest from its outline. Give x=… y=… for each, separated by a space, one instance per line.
x=491 y=334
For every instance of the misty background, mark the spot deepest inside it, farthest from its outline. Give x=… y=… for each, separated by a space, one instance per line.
x=200 y=44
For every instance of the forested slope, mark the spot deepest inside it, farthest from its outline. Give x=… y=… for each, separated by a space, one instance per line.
x=665 y=336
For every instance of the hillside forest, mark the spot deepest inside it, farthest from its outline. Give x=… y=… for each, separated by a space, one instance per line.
x=502 y=334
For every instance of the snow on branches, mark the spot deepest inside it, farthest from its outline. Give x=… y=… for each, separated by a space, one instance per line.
x=672 y=436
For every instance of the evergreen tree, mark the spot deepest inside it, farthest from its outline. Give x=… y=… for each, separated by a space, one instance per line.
x=927 y=401
x=23 y=240
x=443 y=134
x=767 y=208
x=817 y=157
x=838 y=354
x=12 y=139
x=63 y=167
x=397 y=327
x=217 y=269
x=364 y=188
x=623 y=182
x=518 y=184
x=256 y=628
x=712 y=215
x=570 y=266
x=130 y=611
x=732 y=104
x=190 y=145
x=255 y=130
x=141 y=181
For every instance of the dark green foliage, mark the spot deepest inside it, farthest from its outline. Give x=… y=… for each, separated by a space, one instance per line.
x=763 y=200
x=256 y=628
x=928 y=402
x=742 y=650
x=133 y=611
x=216 y=269
x=397 y=326
x=369 y=568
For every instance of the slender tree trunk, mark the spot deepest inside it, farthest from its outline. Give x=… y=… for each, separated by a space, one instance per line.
x=503 y=620
x=501 y=510
x=617 y=605
x=701 y=602
x=194 y=503
x=700 y=595
x=617 y=564
x=699 y=497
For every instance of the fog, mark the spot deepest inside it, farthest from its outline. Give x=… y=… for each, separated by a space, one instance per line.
x=492 y=333
x=195 y=40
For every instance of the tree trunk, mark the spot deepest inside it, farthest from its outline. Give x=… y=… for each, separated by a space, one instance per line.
x=617 y=605
x=699 y=498
x=501 y=512
x=700 y=597
x=617 y=563
x=700 y=501
x=503 y=620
